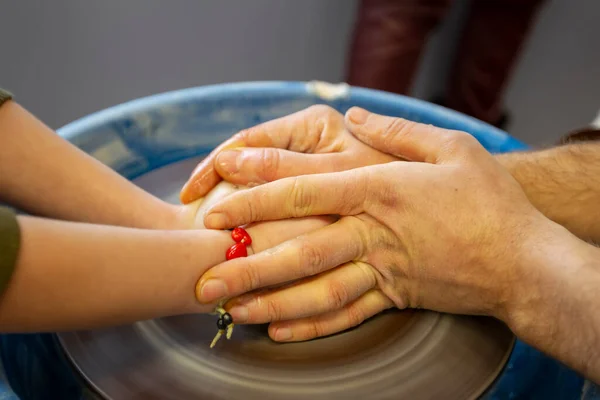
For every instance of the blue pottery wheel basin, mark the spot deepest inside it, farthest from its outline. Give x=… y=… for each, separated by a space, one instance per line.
x=156 y=142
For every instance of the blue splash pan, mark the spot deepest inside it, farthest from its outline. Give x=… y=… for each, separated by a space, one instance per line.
x=153 y=133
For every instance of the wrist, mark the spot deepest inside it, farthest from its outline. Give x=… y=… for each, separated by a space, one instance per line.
x=555 y=309
x=548 y=274
x=517 y=164
x=183 y=217
x=538 y=184
x=220 y=243
x=179 y=217
x=215 y=245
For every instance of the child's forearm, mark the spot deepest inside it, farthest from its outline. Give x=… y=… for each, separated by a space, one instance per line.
x=78 y=276
x=74 y=275
x=45 y=175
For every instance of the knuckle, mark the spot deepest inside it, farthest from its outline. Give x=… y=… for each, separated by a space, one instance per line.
x=355 y=315
x=270 y=164
x=324 y=121
x=356 y=196
x=250 y=278
x=312 y=259
x=314 y=128
x=395 y=129
x=315 y=329
x=274 y=311
x=389 y=197
x=338 y=295
x=252 y=208
x=302 y=198
x=321 y=110
x=458 y=141
x=245 y=134
x=471 y=143
x=368 y=275
x=358 y=227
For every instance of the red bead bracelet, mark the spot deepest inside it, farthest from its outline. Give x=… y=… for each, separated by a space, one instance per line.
x=240 y=248
x=240 y=235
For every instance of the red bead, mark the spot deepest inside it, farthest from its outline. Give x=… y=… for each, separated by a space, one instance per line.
x=241 y=236
x=247 y=240
x=236 y=251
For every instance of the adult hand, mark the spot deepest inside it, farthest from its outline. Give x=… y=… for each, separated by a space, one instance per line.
x=449 y=232
x=280 y=148
x=264 y=235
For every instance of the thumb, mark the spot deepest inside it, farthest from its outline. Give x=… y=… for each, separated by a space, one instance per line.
x=251 y=166
x=407 y=139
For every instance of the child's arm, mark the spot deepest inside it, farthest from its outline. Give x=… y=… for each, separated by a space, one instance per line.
x=79 y=276
x=45 y=175
x=76 y=275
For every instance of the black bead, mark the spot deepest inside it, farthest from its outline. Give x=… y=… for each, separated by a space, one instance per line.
x=221 y=324
x=227 y=318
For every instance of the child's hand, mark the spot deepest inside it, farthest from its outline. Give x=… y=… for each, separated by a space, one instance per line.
x=191 y=216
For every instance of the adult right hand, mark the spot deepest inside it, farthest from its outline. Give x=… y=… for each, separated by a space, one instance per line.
x=451 y=231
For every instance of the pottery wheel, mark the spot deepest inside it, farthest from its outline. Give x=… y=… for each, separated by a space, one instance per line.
x=395 y=355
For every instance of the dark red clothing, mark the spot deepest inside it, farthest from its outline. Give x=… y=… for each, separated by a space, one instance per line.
x=390 y=36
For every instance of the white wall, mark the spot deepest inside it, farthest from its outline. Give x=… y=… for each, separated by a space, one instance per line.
x=557 y=86
x=67 y=58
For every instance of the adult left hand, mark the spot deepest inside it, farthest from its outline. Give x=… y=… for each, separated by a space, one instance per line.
x=448 y=232
x=311 y=141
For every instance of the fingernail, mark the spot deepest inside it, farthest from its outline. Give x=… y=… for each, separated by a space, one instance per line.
x=229 y=161
x=358 y=116
x=215 y=220
x=239 y=314
x=212 y=289
x=283 y=334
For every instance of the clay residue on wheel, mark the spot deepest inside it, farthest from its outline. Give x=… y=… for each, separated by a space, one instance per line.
x=328 y=91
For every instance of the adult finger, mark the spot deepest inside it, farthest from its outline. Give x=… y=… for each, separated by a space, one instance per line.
x=411 y=140
x=266 y=235
x=371 y=303
x=304 y=256
x=300 y=131
x=340 y=193
x=325 y=292
x=251 y=166
x=204 y=177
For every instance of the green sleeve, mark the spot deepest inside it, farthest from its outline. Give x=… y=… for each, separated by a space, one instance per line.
x=10 y=240
x=4 y=96
x=10 y=234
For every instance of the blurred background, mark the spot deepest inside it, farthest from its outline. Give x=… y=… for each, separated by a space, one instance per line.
x=64 y=59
